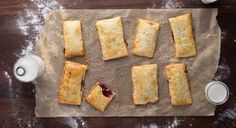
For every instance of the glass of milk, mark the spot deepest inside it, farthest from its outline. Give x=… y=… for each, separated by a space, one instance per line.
x=28 y=68
x=216 y=92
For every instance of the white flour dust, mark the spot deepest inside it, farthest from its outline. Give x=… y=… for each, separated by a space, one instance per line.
x=25 y=122
x=74 y=122
x=8 y=78
x=166 y=4
x=147 y=126
x=175 y=123
x=171 y=4
x=22 y=26
x=223 y=35
x=82 y=122
x=190 y=125
x=228 y=115
x=30 y=22
x=9 y=82
x=70 y=122
x=45 y=6
x=28 y=49
x=223 y=72
x=21 y=121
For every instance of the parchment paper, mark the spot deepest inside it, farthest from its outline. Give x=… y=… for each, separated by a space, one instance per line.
x=116 y=73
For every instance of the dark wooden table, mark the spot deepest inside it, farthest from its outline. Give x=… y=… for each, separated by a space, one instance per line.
x=19 y=22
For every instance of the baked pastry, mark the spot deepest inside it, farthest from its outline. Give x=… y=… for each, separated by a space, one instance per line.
x=146 y=38
x=100 y=96
x=111 y=37
x=71 y=88
x=145 y=85
x=73 y=39
x=183 y=35
x=178 y=84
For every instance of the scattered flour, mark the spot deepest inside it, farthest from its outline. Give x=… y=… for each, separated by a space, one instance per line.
x=24 y=29
x=9 y=80
x=171 y=4
x=228 y=115
x=82 y=122
x=74 y=122
x=166 y=4
x=29 y=121
x=190 y=125
x=223 y=72
x=30 y=22
x=70 y=122
x=8 y=77
x=28 y=49
x=170 y=124
x=174 y=124
x=26 y=122
x=223 y=35
x=147 y=126
x=21 y=121
x=44 y=6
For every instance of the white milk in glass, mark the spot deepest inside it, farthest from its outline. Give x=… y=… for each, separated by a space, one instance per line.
x=28 y=68
x=216 y=92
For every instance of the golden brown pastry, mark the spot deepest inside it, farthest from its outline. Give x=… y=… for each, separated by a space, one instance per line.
x=178 y=84
x=111 y=37
x=183 y=35
x=73 y=39
x=71 y=88
x=100 y=96
x=145 y=84
x=146 y=38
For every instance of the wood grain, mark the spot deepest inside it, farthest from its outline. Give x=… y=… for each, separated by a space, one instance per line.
x=17 y=99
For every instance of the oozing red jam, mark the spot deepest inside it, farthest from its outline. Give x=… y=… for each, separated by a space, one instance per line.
x=105 y=91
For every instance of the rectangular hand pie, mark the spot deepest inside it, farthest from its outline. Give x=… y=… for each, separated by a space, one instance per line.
x=71 y=89
x=183 y=35
x=178 y=84
x=100 y=96
x=146 y=38
x=73 y=39
x=145 y=84
x=111 y=37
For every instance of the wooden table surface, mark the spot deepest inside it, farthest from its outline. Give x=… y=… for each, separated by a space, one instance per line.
x=19 y=27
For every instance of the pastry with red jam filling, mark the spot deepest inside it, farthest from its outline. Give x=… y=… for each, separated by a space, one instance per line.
x=100 y=96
